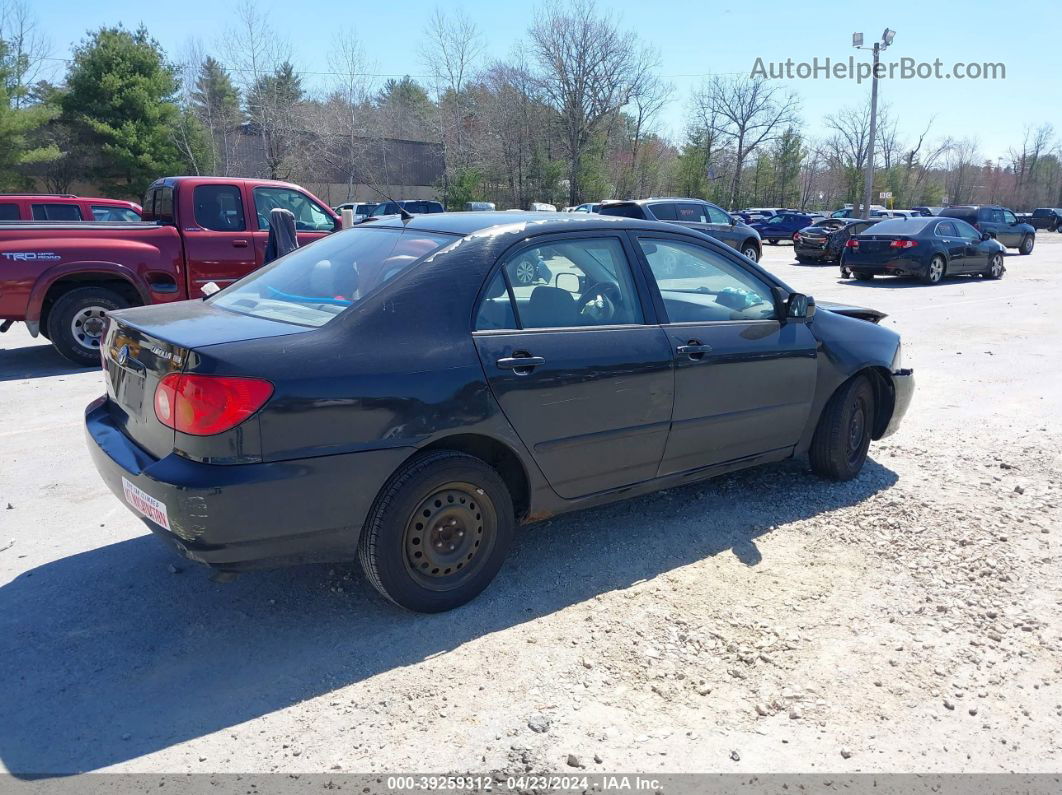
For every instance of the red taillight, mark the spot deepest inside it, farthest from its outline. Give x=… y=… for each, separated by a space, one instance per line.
x=903 y=244
x=851 y=243
x=207 y=404
x=796 y=236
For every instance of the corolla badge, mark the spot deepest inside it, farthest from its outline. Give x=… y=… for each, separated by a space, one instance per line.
x=123 y=355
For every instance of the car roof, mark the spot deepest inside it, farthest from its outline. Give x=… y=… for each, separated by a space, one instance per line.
x=468 y=223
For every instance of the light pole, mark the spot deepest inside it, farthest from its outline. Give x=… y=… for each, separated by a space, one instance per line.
x=868 y=177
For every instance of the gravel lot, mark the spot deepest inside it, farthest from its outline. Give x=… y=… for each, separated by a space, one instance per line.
x=767 y=621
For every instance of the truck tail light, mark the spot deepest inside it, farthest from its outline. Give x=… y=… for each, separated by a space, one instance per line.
x=851 y=243
x=203 y=405
x=903 y=244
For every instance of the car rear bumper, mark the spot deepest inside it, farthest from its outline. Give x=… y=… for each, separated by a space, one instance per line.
x=903 y=390
x=812 y=252
x=900 y=266
x=241 y=516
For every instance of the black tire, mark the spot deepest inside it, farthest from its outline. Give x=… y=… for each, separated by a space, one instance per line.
x=1027 y=244
x=842 y=438
x=864 y=277
x=995 y=268
x=751 y=250
x=75 y=322
x=804 y=260
x=410 y=564
x=935 y=271
x=772 y=241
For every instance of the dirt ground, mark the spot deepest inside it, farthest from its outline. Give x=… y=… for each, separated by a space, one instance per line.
x=766 y=621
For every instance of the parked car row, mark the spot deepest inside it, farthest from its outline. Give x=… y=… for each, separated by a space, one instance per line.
x=65 y=207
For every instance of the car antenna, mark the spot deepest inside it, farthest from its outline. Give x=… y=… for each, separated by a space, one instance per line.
x=403 y=213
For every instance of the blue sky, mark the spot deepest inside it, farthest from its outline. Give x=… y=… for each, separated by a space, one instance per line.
x=693 y=38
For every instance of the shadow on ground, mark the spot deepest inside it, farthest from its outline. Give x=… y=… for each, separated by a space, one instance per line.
x=35 y=361
x=106 y=656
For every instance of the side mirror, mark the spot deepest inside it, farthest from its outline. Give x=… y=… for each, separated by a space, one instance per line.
x=986 y=236
x=733 y=220
x=799 y=307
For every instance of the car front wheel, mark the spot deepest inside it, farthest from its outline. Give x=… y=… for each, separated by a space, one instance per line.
x=1027 y=244
x=438 y=532
x=751 y=251
x=995 y=267
x=842 y=438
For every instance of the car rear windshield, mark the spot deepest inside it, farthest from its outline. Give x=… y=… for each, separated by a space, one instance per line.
x=965 y=213
x=899 y=226
x=624 y=210
x=314 y=285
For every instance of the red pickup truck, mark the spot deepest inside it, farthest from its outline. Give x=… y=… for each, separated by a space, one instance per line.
x=61 y=278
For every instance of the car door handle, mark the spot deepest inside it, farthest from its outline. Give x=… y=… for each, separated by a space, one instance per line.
x=239 y=244
x=694 y=349
x=518 y=363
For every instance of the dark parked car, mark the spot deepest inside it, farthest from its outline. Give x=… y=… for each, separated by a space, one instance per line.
x=999 y=222
x=783 y=226
x=929 y=248
x=315 y=410
x=694 y=214
x=415 y=206
x=1049 y=218
x=926 y=211
x=824 y=240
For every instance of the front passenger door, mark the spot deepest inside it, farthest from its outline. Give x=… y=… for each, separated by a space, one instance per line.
x=744 y=380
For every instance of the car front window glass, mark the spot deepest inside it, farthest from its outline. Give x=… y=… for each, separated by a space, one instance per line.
x=699 y=285
x=309 y=217
x=715 y=215
x=578 y=282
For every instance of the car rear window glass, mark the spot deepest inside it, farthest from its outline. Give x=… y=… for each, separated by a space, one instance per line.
x=694 y=213
x=219 y=208
x=496 y=309
x=622 y=210
x=56 y=212
x=105 y=212
x=665 y=211
x=898 y=226
x=947 y=229
x=966 y=213
x=317 y=283
x=9 y=212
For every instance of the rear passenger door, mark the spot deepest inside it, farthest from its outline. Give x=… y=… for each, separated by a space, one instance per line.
x=744 y=381
x=218 y=246
x=577 y=364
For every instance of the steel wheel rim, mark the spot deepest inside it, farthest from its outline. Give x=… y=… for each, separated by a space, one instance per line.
x=449 y=536
x=857 y=428
x=87 y=326
x=936 y=270
x=525 y=272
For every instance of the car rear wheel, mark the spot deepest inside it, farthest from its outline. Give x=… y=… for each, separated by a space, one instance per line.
x=995 y=267
x=842 y=438
x=1027 y=244
x=864 y=277
x=77 y=320
x=438 y=532
x=935 y=271
x=804 y=260
x=751 y=251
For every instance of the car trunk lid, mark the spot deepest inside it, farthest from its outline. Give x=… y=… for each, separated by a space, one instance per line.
x=144 y=345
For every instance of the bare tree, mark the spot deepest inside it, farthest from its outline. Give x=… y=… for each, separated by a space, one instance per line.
x=748 y=113
x=452 y=47
x=650 y=97
x=25 y=57
x=1035 y=144
x=343 y=128
x=589 y=69
x=962 y=159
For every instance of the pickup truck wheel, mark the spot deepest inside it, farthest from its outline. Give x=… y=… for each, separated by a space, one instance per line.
x=76 y=323
x=842 y=438
x=1027 y=244
x=438 y=532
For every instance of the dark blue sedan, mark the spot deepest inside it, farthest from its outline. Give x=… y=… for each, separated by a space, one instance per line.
x=399 y=393
x=928 y=248
x=784 y=226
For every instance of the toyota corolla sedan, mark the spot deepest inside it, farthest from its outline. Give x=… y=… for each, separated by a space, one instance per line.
x=927 y=248
x=396 y=393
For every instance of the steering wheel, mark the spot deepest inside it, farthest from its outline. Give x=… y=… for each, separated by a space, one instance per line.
x=599 y=302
